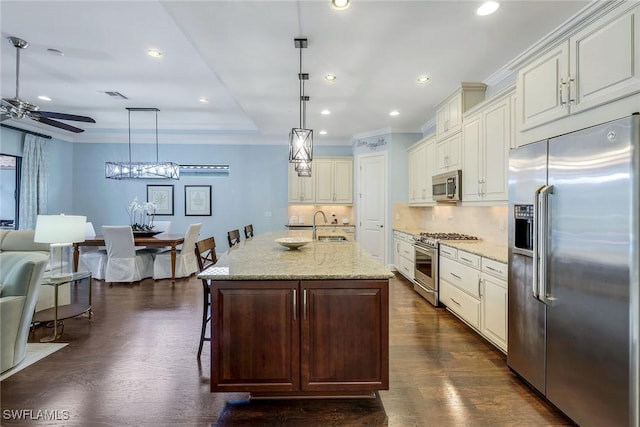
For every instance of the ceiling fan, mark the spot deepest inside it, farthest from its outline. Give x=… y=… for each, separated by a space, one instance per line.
x=16 y=108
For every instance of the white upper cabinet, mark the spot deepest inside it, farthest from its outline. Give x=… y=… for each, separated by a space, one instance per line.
x=301 y=189
x=447 y=153
x=487 y=138
x=421 y=169
x=540 y=88
x=605 y=60
x=334 y=181
x=449 y=112
x=598 y=64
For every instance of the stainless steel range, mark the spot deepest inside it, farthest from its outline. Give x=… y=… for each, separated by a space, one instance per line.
x=426 y=247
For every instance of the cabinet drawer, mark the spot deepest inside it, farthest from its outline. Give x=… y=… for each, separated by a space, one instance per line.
x=467 y=307
x=461 y=276
x=495 y=268
x=449 y=252
x=406 y=250
x=472 y=260
x=406 y=267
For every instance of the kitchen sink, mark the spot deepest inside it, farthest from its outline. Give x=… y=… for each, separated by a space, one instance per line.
x=332 y=238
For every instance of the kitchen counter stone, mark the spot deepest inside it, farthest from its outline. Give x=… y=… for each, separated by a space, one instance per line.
x=261 y=258
x=494 y=251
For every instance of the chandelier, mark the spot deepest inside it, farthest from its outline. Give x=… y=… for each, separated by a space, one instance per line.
x=142 y=170
x=300 y=138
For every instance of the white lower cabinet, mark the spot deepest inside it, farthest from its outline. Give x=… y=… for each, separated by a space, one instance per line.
x=404 y=254
x=494 y=310
x=474 y=288
x=462 y=304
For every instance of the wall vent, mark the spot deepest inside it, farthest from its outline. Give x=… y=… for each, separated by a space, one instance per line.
x=115 y=94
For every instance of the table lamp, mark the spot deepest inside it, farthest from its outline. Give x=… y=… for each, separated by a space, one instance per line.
x=61 y=231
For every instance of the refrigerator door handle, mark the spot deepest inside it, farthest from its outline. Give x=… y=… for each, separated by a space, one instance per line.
x=543 y=240
x=536 y=253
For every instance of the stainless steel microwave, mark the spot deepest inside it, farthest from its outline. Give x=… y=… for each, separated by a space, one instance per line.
x=447 y=186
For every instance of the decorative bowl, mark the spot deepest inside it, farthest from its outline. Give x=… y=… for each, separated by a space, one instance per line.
x=293 y=242
x=145 y=233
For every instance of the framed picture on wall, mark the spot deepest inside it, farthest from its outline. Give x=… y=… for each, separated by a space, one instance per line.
x=197 y=200
x=162 y=196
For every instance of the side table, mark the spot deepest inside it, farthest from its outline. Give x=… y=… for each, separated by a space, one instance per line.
x=58 y=312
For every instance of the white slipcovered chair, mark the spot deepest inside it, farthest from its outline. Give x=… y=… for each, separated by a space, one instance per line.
x=124 y=263
x=92 y=258
x=186 y=261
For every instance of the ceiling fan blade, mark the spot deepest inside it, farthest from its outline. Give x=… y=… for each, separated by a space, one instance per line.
x=54 y=123
x=62 y=116
x=4 y=117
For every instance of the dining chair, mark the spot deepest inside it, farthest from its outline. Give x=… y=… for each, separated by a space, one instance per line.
x=92 y=258
x=206 y=256
x=248 y=231
x=124 y=263
x=186 y=263
x=233 y=237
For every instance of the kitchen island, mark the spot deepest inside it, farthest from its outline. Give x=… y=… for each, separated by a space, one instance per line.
x=312 y=321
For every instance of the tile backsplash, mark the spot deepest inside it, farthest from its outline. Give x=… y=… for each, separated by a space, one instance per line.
x=487 y=222
x=304 y=213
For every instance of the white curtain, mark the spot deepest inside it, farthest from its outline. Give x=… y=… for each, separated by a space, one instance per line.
x=33 y=181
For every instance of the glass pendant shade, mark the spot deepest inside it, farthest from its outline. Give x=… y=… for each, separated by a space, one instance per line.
x=303 y=168
x=300 y=145
x=146 y=170
x=142 y=170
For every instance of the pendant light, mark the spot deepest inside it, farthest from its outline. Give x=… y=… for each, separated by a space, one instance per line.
x=300 y=138
x=142 y=170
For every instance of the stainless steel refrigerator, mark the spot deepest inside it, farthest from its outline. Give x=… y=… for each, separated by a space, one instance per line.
x=572 y=261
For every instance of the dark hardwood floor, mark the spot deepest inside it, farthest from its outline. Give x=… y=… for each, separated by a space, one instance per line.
x=134 y=364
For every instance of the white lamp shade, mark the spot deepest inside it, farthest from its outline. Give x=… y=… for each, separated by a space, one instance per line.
x=60 y=229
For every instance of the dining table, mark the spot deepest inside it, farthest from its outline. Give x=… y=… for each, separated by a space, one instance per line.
x=161 y=240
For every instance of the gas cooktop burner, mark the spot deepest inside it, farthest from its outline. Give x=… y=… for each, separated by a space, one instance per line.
x=432 y=239
x=447 y=236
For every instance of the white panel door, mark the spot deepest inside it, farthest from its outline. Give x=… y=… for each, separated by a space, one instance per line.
x=472 y=158
x=372 y=202
x=605 y=61
x=542 y=87
x=497 y=139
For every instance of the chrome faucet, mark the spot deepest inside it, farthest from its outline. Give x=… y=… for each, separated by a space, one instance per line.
x=313 y=236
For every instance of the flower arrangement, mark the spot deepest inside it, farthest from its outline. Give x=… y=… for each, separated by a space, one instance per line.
x=141 y=215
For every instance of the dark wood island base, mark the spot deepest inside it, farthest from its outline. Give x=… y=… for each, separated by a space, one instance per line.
x=300 y=338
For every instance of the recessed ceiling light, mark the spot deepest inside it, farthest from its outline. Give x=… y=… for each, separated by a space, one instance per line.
x=325 y=112
x=44 y=98
x=154 y=53
x=330 y=77
x=488 y=8
x=340 y=4
x=423 y=80
x=394 y=113
x=204 y=100
x=323 y=132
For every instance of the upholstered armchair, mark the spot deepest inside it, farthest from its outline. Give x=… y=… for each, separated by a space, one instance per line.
x=20 y=277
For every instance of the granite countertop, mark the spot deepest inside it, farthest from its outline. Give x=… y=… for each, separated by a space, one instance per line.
x=261 y=258
x=318 y=225
x=494 y=251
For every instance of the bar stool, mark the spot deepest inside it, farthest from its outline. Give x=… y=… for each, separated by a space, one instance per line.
x=233 y=237
x=206 y=256
x=248 y=231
